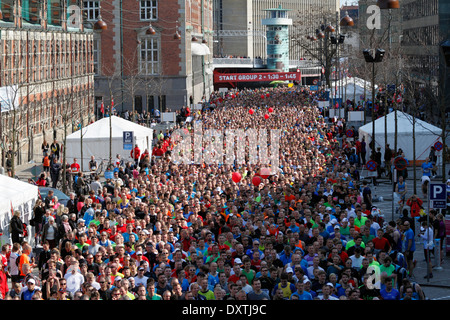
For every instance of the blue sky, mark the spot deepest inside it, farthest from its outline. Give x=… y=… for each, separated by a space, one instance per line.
x=342 y=2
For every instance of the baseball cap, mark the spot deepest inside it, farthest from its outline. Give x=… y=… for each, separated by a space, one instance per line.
x=289 y=269
x=238 y=261
x=139 y=253
x=31 y=281
x=333 y=221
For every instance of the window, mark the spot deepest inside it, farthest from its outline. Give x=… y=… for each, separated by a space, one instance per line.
x=138 y=103
x=54 y=12
x=96 y=52
x=149 y=9
x=91 y=10
x=149 y=57
x=7 y=7
x=162 y=103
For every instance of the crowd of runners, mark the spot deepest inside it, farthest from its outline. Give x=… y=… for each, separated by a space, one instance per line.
x=164 y=230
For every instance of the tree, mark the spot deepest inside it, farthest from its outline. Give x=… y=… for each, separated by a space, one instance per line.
x=313 y=36
x=14 y=116
x=156 y=86
x=66 y=97
x=109 y=110
x=427 y=82
x=133 y=81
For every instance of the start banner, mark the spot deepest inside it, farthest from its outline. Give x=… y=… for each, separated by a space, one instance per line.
x=248 y=77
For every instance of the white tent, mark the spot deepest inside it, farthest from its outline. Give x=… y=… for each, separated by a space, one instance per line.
x=353 y=88
x=17 y=195
x=426 y=135
x=96 y=138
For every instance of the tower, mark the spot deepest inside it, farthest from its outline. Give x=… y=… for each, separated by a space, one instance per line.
x=277 y=32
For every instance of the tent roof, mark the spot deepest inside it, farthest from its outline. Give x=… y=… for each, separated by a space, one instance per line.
x=404 y=125
x=15 y=192
x=100 y=129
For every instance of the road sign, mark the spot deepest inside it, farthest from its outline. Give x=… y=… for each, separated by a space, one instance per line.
x=438 y=195
x=371 y=165
x=438 y=146
x=314 y=88
x=400 y=163
x=438 y=204
x=349 y=133
x=438 y=191
x=315 y=81
x=128 y=139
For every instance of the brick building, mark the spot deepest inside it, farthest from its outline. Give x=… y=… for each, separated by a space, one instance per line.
x=138 y=60
x=46 y=74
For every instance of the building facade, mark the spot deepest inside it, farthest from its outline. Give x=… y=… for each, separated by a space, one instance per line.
x=46 y=74
x=420 y=39
x=240 y=21
x=154 y=54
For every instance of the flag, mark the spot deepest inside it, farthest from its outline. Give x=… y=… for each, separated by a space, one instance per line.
x=102 y=108
x=112 y=106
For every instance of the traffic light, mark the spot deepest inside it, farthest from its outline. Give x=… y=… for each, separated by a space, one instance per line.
x=368 y=56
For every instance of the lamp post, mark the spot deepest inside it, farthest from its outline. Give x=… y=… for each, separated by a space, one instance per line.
x=373 y=58
x=345 y=23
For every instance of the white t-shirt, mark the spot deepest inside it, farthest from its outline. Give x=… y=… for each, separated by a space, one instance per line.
x=356 y=262
x=138 y=281
x=51 y=232
x=13 y=268
x=329 y=298
x=74 y=282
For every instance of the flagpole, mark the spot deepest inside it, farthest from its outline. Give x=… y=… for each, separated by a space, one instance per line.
x=110 y=131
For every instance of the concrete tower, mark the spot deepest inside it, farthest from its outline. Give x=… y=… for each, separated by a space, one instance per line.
x=277 y=29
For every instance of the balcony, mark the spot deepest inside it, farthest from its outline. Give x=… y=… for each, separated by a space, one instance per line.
x=238 y=63
x=308 y=68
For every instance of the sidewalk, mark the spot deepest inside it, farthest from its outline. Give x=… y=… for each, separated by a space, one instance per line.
x=441 y=277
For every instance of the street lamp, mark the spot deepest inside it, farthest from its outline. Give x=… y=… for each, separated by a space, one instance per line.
x=371 y=58
x=346 y=21
x=150 y=30
x=100 y=24
x=388 y=4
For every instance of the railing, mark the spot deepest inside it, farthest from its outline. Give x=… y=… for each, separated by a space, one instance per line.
x=238 y=61
x=305 y=63
x=308 y=67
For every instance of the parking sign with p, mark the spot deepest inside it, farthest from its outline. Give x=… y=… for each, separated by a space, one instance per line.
x=438 y=196
x=128 y=138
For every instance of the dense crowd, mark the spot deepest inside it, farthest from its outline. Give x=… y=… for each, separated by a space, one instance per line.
x=161 y=230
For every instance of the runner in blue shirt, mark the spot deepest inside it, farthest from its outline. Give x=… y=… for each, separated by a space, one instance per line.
x=427 y=166
x=300 y=294
x=389 y=293
x=408 y=246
